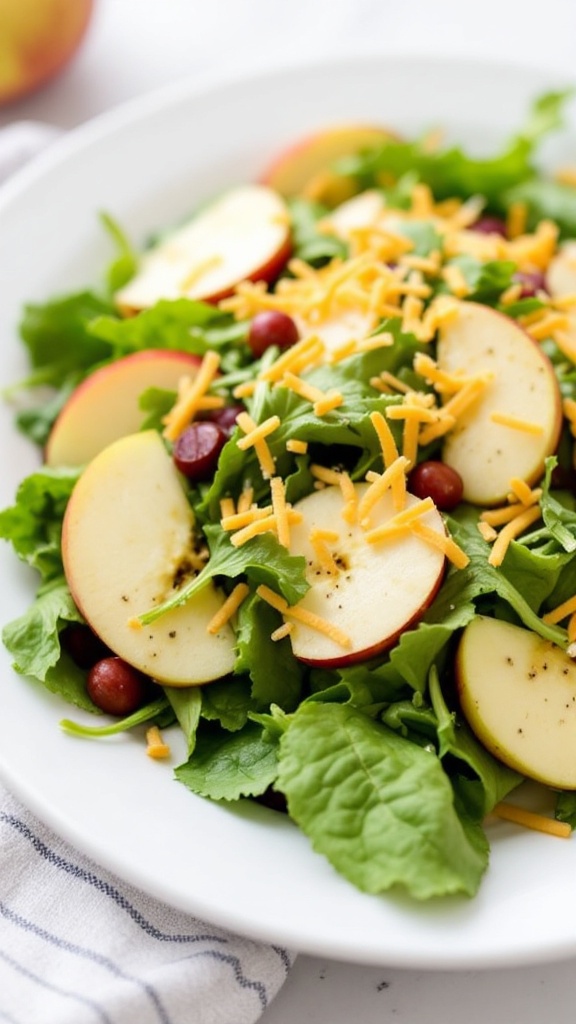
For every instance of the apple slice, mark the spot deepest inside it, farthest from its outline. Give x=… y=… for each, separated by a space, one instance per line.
x=338 y=329
x=523 y=386
x=243 y=235
x=379 y=590
x=127 y=545
x=105 y=406
x=561 y=280
x=518 y=694
x=361 y=211
x=298 y=168
x=561 y=272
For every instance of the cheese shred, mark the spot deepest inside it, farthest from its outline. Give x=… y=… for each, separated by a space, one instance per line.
x=531 y=820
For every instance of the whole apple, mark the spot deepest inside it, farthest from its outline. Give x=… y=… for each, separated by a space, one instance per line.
x=37 y=39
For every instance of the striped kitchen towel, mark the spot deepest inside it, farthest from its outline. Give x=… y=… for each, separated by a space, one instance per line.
x=79 y=946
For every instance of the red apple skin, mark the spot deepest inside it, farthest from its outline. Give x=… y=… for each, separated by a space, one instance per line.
x=380 y=590
x=214 y=233
x=291 y=169
x=346 y=660
x=184 y=363
x=268 y=273
x=37 y=39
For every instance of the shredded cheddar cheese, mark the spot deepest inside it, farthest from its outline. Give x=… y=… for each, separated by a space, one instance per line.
x=380 y=483
x=399 y=521
x=516 y=220
x=155 y=745
x=529 y=819
x=281 y=510
x=320 y=539
x=510 y=531
x=296 y=447
x=245 y=500
x=284 y=630
x=562 y=611
x=304 y=616
x=443 y=542
x=229 y=608
x=255 y=436
x=188 y=403
x=515 y=423
x=227 y=507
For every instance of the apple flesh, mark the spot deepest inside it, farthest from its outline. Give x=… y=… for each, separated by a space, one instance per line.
x=362 y=211
x=105 y=406
x=37 y=39
x=380 y=590
x=561 y=279
x=518 y=694
x=294 y=170
x=337 y=329
x=487 y=455
x=126 y=546
x=243 y=235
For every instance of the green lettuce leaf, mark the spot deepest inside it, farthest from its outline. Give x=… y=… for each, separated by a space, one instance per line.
x=380 y=808
x=262 y=559
x=33 y=525
x=275 y=673
x=227 y=766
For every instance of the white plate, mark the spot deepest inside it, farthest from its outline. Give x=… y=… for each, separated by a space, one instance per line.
x=245 y=868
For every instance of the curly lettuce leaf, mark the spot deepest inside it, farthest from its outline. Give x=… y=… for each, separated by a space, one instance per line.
x=33 y=525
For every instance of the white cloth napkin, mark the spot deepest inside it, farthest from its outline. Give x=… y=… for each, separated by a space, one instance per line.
x=79 y=946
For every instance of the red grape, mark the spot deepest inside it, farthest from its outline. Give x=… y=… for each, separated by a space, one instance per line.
x=116 y=687
x=271 y=327
x=224 y=417
x=434 y=479
x=83 y=646
x=489 y=225
x=196 y=451
x=530 y=281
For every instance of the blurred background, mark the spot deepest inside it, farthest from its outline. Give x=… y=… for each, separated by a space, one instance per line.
x=131 y=46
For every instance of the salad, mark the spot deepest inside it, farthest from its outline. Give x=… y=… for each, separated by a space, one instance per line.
x=308 y=494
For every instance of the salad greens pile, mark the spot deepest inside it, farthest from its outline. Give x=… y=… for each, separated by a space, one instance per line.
x=374 y=760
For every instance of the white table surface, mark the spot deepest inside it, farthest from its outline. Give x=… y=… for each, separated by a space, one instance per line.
x=137 y=45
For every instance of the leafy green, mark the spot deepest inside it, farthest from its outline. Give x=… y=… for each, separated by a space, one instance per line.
x=486 y=281
x=57 y=337
x=144 y=714
x=480 y=578
x=275 y=673
x=262 y=559
x=560 y=519
x=228 y=701
x=491 y=780
x=227 y=766
x=186 y=702
x=33 y=640
x=546 y=200
x=380 y=808
x=452 y=172
x=310 y=244
x=125 y=263
x=33 y=524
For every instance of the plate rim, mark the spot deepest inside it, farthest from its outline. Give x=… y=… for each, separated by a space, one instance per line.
x=91 y=133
